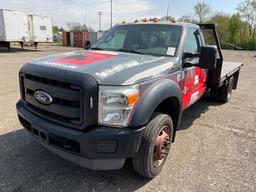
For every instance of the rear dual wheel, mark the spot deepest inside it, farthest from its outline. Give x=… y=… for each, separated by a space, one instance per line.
x=155 y=146
x=223 y=94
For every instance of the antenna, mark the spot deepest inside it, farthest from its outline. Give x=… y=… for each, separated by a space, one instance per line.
x=167 y=14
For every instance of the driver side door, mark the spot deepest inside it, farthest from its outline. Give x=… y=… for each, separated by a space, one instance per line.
x=194 y=83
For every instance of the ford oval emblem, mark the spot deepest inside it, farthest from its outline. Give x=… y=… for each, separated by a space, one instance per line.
x=43 y=97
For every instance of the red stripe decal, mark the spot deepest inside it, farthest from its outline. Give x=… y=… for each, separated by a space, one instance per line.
x=84 y=58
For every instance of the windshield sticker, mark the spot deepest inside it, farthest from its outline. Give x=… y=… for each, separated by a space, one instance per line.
x=171 y=51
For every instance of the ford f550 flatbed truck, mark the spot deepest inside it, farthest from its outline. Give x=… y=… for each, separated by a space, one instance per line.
x=123 y=98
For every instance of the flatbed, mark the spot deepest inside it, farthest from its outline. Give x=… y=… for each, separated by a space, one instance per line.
x=228 y=69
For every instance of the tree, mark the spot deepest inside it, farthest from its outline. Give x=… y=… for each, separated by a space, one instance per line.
x=222 y=22
x=248 y=11
x=55 y=29
x=73 y=27
x=165 y=18
x=202 y=11
x=61 y=29
x=187 y=19
x=234 y=27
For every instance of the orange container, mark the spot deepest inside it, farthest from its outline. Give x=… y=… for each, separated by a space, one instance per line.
x=65 y=39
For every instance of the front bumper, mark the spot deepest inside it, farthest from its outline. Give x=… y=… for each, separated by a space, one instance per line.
x=99 y=148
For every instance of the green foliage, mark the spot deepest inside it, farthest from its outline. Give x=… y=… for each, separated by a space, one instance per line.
x=55 y=29
x=235 y=31
x=202 y=10
x=234 y=27
x=248 y=11
x=165 y=18
x=250 y=44
x=222 y=22
x=187 y=19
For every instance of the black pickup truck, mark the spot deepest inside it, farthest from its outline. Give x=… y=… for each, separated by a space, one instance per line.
x=123 y=98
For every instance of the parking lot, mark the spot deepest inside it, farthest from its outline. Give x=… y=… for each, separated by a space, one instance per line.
x=215 y=148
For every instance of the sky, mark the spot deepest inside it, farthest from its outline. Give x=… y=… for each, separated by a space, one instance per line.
x=85 y=11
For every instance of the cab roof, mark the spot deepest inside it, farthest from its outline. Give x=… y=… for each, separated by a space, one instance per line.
x=183 y=24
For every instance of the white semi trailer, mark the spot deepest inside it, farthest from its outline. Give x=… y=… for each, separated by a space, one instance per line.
x=16 y=26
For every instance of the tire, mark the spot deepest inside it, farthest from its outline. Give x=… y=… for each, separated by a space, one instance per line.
x=223 y=94
x=154 y=147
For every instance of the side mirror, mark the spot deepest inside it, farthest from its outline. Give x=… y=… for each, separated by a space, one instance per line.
x=208 y=57
x=87 y=44
x=190 y=59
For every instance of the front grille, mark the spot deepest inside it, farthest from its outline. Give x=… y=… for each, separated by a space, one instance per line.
x=66 y=107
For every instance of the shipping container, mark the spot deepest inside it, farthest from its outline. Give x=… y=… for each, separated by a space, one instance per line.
x=92 y=37
x=66 y=39
x=14 y=26
x=40 y=29
x=72 y=39
x=79 y=38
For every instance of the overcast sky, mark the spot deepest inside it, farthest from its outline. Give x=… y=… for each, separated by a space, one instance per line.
x=84 y=11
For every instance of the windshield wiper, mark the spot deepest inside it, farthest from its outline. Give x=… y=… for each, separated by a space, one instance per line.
x=128 y=51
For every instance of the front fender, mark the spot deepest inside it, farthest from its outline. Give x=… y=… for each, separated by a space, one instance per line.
x=151 y=98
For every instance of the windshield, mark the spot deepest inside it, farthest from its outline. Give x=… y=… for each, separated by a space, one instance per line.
x=151 y=39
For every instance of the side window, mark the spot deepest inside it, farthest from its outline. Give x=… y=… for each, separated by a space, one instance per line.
x=192 y=42
x=43 y=28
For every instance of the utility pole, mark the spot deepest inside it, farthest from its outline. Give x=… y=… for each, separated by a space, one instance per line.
x=111 y=13
x=85 y=16
x=99 y=14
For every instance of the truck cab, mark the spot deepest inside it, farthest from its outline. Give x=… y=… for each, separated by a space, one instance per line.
x=123 y=98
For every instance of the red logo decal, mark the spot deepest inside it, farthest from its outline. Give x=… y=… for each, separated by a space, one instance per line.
x=84 y=58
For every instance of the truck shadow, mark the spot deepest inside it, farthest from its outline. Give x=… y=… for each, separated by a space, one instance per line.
x=26 y=166
x=195 y=111
x=17 y=50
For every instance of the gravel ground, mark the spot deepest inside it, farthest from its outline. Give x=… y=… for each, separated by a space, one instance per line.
x=214 y=149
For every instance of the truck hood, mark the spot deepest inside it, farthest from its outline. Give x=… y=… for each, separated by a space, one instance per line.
x=110 y=68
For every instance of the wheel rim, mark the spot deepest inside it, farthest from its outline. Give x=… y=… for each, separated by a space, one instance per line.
x=162 y=146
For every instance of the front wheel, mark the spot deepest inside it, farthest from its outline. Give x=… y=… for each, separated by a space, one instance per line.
x=155 y=146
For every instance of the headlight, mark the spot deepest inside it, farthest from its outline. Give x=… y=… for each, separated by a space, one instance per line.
x=116 y=104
